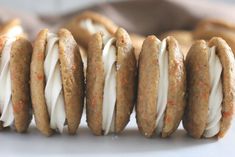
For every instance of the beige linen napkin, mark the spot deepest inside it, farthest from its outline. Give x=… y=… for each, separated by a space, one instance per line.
x=138 y=16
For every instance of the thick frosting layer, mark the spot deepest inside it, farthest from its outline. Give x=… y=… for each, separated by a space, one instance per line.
x=216 y=95
x=7 y=116
x=95 y=28
x=109 y=96
x=163 y=86
x=53 y=90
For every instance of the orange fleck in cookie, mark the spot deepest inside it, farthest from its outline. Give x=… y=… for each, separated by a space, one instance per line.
x=57 y=82
x=15 y=102
x=161 y=87
x=111 y=82
x=210 y=75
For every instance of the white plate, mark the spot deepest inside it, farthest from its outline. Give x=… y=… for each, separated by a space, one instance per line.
x=129 y=143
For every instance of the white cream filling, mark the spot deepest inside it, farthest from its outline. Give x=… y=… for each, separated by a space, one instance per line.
x=15 y=31
x=84 y=60
x=7 y=116
x=53 y=90
x=109 y=95
x=163 y=86
x=216 y=95
x=95 y=28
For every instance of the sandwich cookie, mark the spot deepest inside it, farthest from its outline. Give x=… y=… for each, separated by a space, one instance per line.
x=88 y=23
x=15 y=102
x=208 y=28
x=210 y=75
x=111 y=82
x=184 y=38
x=57 y=82
x=12 y=27
x=85 y=25
x=161 y=87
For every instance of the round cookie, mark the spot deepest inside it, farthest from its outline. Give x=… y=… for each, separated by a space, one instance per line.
x=111 y=83
x=161 y=87
x=15 y=101
x=184 y=38
x=67 y=81
x=86 y=24
x=210 y=70
x=208 y=28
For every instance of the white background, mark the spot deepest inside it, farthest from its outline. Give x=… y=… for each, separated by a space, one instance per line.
x=129 y=143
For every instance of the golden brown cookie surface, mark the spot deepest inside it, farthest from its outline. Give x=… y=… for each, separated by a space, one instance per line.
x=148 y=84
x=198 y=85
x=37 y=85
x=226 y=57
x=176 y=88
x=72 y=76
x=72 y=79
x=95 y=84
x=184 y=38
x=125 y=80
x=21 y=52
x=196 y=114
x=19 y=67
x=148 y=76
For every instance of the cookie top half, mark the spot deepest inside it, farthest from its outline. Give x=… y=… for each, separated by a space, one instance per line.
x=125 y=69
